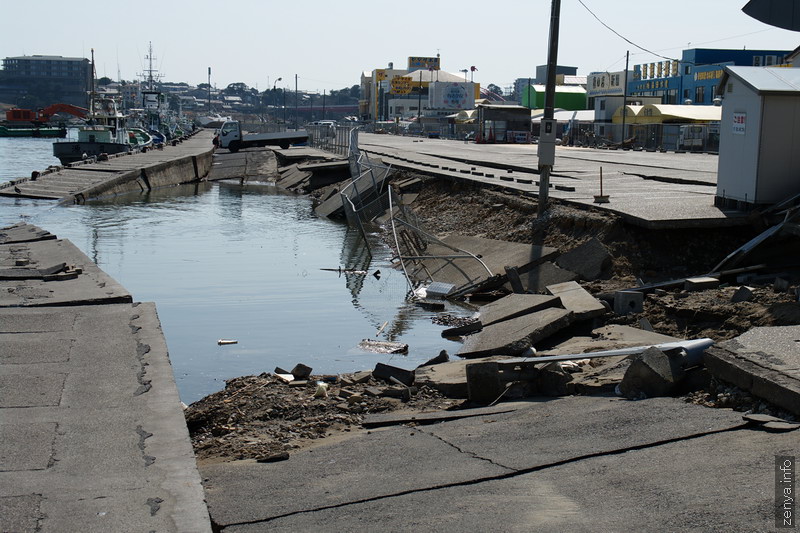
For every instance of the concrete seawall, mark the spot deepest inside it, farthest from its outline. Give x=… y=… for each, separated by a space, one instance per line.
x=92 y=434
x=187 y=161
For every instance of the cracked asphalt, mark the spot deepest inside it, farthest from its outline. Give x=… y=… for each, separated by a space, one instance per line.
x=566 y=464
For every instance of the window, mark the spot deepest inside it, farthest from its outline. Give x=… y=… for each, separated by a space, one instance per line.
x=699 y=94
x=756 y=61
x=602 y=105
x=687 y=70
x=770 y=60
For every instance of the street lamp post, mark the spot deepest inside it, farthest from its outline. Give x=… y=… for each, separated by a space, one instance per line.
x=274 y=97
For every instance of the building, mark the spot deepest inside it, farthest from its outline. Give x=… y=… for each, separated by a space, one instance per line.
x=758 y=159
x=46 y=79
x=694 y=79
x=569 y=97
x=541 y=73
x=421 y=90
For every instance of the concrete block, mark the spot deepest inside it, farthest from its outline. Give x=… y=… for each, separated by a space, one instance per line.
x=742 y=294
x=483 y=382
x=301 y=371
x=780 y=285
x=628 y=302
x=387 y=372
x=589 y=260
x=552 y=380
x=577 y=299
x=653 y=373
x=700 y=283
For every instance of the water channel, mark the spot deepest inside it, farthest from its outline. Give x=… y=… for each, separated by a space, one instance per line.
x=238 y=262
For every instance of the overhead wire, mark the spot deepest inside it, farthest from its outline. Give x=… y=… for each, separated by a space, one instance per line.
x=615 y=32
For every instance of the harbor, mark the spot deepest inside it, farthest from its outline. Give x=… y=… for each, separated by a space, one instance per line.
x=362 y=291
x=230 y=487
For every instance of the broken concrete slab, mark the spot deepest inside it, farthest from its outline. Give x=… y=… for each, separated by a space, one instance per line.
x=489 y=271
x=603 y=375
x=91 y=286
x=764 y=361
x=537 y=278
x=589 y=260
x=22 y=232
x=515 y=305
x=515 y=336
x=449 y=378
x=577 y=299
x=701 y=283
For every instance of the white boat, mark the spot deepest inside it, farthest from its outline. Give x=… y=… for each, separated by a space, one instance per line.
x=105 y=132
x=214 y=120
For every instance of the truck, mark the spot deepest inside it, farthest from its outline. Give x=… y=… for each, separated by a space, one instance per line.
x=231 y=137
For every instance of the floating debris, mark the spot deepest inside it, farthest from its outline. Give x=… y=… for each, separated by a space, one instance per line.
x=383 y=346
x=223 y=342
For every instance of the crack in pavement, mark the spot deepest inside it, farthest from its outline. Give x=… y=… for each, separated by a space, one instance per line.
x=498 y=477
x=471 y=454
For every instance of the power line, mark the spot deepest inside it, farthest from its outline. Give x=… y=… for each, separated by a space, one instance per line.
x=615 y=32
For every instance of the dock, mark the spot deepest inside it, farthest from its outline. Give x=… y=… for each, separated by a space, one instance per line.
x=93 y=433
x=654 y=190
x=186 y=161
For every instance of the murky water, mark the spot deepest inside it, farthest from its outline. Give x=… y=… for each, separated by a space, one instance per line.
x=244 y=263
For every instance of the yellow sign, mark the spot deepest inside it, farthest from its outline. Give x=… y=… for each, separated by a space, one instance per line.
x=380 y=74
x=401 y=85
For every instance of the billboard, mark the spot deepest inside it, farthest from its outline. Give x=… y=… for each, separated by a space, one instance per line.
x=446 y=95
x=415 y=63
x=401 y=85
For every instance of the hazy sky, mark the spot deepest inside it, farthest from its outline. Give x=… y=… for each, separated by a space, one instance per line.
x=328 y=43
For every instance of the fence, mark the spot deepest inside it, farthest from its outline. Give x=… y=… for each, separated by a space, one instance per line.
x=334 y=139
x=423 y=257
x=364 y=197
x=672 y=137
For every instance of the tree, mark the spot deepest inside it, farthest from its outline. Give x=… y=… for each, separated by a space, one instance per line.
x=204 y=86
x=105 y=80
x=495 y=89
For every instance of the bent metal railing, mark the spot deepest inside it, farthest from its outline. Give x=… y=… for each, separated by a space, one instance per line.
x=413 y=249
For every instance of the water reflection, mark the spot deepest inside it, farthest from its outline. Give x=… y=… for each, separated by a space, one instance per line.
x=226 y=261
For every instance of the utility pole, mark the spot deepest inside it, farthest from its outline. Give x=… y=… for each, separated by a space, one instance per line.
x=296 y=116
x=547 y=133
x=625 y=95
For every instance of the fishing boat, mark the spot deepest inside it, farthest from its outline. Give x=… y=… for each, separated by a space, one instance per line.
x=105 y=132
x=213 y=120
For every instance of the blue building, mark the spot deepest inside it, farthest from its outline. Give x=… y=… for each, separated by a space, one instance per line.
x=696 y=76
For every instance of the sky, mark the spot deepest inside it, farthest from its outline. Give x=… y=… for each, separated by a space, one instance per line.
x=328 y=43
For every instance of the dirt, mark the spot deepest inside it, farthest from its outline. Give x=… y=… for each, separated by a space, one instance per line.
x=263 y=418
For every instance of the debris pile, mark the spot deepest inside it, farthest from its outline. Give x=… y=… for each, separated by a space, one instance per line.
x=266 y=416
